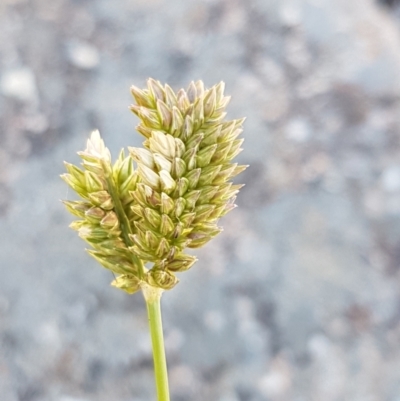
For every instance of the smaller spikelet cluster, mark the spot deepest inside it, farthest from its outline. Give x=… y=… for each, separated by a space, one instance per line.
x=104 y=210
x=140 y=221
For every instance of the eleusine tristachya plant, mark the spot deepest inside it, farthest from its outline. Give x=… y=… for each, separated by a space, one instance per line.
x=140 y=213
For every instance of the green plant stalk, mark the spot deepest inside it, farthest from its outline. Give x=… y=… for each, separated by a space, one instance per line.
x=125 y=226
x=152 y=296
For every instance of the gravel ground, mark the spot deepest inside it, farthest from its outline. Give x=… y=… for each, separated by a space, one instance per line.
x=299 y=298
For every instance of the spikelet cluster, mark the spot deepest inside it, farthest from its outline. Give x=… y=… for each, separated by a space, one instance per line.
x=141 y=213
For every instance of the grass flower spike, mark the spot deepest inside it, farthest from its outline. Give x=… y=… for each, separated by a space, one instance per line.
x=140 y=221
x=141 y=213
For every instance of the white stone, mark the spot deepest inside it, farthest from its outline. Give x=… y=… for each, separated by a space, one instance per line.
x=298 y=130
x=49 y=334
x=83 y=55
x=276 y=383
x=319 y=346
x=19 y=83
x=214 y=320
x=391 y=179
x=290 y=15
x=273 y=384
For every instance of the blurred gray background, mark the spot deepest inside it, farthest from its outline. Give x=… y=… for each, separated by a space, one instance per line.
x=299 y=298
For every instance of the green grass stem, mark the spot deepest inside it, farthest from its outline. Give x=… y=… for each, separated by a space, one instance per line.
x=152 y=296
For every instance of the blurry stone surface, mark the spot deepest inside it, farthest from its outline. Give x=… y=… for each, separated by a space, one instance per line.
x=298 y=299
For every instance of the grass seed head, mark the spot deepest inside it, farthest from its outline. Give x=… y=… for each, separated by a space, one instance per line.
x=149 y=207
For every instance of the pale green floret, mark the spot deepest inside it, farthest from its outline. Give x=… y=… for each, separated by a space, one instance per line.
x=173 y=200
